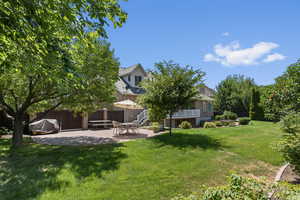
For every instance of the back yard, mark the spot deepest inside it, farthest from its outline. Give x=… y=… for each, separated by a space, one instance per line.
x=156 y=168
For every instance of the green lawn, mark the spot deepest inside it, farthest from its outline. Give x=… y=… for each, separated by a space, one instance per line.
x=156 y=168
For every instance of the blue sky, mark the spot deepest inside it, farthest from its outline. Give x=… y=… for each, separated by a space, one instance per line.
x=257 y=38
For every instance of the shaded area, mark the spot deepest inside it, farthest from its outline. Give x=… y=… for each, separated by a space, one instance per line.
x=73 y=141
x=28 y=172
x=183 y=140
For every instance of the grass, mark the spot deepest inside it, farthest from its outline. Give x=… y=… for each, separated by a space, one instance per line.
x=156 y=168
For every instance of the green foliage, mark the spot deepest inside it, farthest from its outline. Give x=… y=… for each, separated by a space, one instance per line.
x=289 y=146
x=51 y=56
x=218 y=123
x=155 y=126
x=229 y=115
x=244 y=120
x=241 y=188
x=185 y=125
x=234 y=94
x=170 y=88
x=209 y=125
x=284 y=96
x=29 y=28
x=5 y=131
x=225 y=122
x=218 y=117
x=291 y=123
x=256 y=111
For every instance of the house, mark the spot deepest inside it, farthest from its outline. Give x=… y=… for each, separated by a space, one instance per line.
x=128 y=88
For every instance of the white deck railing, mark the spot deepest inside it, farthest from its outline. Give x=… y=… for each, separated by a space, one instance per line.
x=142 y=117
x=191 y=113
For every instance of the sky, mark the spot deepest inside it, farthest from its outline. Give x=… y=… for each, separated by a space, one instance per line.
x=255 y=38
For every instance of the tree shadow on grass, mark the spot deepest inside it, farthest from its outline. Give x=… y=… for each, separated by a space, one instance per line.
x=183 y=140
x=28 y=172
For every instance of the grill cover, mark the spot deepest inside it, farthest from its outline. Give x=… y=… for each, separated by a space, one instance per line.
x=44 y=126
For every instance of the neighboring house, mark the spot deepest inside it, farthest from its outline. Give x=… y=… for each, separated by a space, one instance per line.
x=128 y=88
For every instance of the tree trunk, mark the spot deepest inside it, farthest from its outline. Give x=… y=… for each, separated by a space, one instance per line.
x=17 y=138
x=170 y=124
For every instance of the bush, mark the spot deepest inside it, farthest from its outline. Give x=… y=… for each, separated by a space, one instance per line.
x=218 y=117
x=218 y=123
x=155 y=127
x=209 y=125
x=5 y=131
x=289 y=146
x=244 y=120
x=225 y=123
x=229 y=115
x=241 y=188
x=185 y=125
x=291 y=123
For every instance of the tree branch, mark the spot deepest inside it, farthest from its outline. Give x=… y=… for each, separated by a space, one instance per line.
x=7 y=107
x=45 y=112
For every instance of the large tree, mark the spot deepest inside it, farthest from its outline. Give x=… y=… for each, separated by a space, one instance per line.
x=283 y=96
x=170 y=88
x=234 y=94
x=51 y=56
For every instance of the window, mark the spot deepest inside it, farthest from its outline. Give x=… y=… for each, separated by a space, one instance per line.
x=129 y=78
x=138 y=79
x=210 y=107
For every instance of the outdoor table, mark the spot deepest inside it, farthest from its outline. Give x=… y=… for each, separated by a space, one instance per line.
x=128 y=125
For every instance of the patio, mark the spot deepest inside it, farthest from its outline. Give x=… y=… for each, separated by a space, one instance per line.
x=90 y=137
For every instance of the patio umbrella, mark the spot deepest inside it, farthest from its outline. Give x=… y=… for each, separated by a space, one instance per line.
x=128 y=104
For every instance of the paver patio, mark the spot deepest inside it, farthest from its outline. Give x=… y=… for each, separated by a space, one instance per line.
x=90 y=137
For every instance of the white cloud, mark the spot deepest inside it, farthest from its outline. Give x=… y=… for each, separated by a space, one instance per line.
x=274 y=57
x=225 y=34
x=232 y=54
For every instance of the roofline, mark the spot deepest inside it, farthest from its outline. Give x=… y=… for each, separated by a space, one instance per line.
x=135 y=67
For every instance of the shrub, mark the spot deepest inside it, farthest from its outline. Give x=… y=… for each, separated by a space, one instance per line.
x=155 y=127
x=225 y=123
x=185 y=125
x=241 y=188
x=5 y=131
x=218 y=123
x=291 y=123
x=244 y=120
x=231 y=123
x=230 y=115
x=289 y=146
x=218 y=117
x=209 y=125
